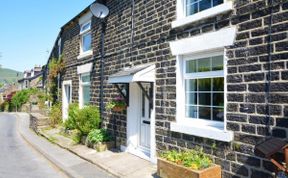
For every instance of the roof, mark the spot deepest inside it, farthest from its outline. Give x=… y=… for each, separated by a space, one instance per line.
x=31 y=78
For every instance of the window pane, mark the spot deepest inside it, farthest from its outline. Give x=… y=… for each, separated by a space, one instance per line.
x=205 y=113
x=217 y=63
x=86 y=39
x=218 y=99
x=192 y=9
x=204 y=84
x=191 y=111
x=191 y=98
x=217 y=2
x=191 y=85
x=218 y=84
x=191 y=66
x=204 y=4
x=218 y=114
x=190 y=1
x=204 y=64
x=86 y=95
x=86 y=26
x=205 y=99
x=85 y=78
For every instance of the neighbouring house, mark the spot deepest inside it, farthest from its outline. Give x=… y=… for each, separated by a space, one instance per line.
x=31 y=79
x=207 y=73
x=8 y=91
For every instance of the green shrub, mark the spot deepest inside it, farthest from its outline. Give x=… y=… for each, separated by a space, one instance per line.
x=98 y=136
x=194 y=159
x=55 y=115
x=73 y=112
x=88 y=119
x=5 y=106
x=20 y=98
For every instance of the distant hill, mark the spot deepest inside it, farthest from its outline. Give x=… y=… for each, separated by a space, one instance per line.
x=9 y=75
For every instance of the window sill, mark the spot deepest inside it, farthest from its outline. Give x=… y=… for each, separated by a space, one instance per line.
x=203 y=15
x=85 y=54
x=211 y=131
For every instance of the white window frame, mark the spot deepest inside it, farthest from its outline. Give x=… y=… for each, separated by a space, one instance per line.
x=199 y=127
x=83 y=21
x=81 y=84
x=182 y=19
x=200 y=75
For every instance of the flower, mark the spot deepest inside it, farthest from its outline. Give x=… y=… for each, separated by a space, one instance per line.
x=117 y=104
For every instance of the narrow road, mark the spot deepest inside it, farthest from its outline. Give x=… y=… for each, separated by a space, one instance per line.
x=19 y=159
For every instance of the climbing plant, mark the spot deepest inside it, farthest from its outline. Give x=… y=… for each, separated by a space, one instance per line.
x=55 y=67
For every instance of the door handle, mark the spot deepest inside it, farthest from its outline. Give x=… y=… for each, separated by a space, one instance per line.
x=146 y=122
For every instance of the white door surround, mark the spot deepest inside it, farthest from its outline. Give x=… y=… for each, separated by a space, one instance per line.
x=144 y=74
x=137 y=143
x=66 y=97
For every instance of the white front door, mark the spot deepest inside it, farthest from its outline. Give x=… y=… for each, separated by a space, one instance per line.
x=144 y=141
x=66 y=98
x=139 y=128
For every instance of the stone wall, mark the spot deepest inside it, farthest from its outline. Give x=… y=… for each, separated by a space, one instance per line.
x=38 y=121
x=251 y=114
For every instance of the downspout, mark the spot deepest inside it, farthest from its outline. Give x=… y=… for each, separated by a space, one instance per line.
x=132 y=28
x=268 y=77
x=102 y=65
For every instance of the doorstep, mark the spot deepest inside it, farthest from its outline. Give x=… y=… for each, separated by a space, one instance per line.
x=120 y=164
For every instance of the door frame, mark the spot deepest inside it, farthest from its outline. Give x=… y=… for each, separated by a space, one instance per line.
x=64 y=99
x=133 y=133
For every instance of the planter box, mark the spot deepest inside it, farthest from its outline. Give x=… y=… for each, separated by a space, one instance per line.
x=167 y=169
x=119 y=108
x=104 y=146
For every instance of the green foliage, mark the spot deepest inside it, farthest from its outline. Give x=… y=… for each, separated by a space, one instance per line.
x=42 y=97
x=195 y=159
x=76 y=138
x=55 y=115
x=73 y=112
x=98 y=136
x=5 y=106
x=56 y=66
x=23 y=96
x=20 y=98
x=84 y=119
x=88 y=119
x=116 y=102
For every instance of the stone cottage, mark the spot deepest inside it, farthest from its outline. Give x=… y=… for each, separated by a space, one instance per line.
x=31 y=79
x=209 y=73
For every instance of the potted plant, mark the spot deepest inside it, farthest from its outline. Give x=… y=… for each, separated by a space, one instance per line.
x=187 y=164
x=100 y=140
x=117 y=104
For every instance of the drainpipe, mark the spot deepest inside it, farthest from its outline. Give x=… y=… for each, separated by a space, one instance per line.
x=102 y=65
x=268 y=77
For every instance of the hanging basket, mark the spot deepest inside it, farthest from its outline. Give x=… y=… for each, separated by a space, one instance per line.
x=119 y=108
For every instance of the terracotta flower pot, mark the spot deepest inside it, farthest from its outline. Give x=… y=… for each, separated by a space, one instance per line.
x=119 y=108
x=104 y=146
x=167 y=169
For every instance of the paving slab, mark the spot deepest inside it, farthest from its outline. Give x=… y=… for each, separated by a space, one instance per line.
x=121 y=164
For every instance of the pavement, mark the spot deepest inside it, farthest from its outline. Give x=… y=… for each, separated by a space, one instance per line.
x=73 y=166
x=73 y=158
x=19 y=159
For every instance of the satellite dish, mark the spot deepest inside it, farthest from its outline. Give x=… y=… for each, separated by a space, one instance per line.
x=99 y=10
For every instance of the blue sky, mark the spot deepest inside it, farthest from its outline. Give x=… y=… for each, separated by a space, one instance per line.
x=28 y=29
